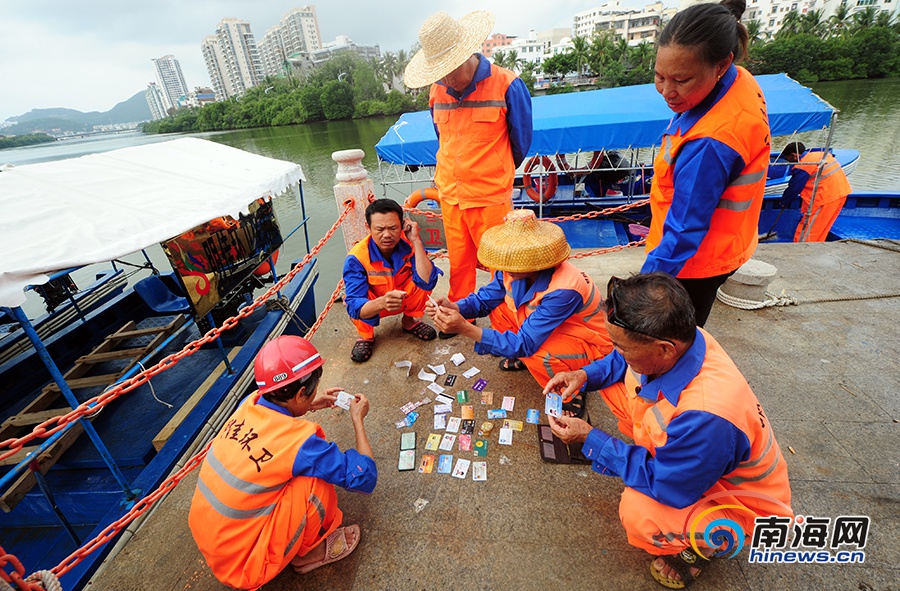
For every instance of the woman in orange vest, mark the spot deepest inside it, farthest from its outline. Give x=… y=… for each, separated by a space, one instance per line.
x=546 y=314
x=710 y=173
x=820 y=210
x=265 y=497
x=704 y=462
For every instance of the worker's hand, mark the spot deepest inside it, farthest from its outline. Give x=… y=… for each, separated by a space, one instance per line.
x=359 y=408
x=570 y=429
x=411 y=229
x=442 y=302
x=324 y=399
x=449 y=320
x=392 y=301
x=566 y=383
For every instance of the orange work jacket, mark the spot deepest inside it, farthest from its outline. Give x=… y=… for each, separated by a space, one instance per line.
x=587 y=324
x=382 y=279
x=721 y=389
x=475 y=165
x=237 y=517
x=833 y=183
x=739 y=121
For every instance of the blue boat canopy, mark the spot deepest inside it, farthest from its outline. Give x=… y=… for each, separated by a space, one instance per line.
x=612 y=119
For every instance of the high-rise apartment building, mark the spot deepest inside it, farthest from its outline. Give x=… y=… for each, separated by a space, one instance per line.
x=636 y=26
x=232 y=58
x=297 y=32
x=171 y=81
x=155 y=102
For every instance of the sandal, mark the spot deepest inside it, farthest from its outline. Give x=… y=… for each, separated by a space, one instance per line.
x=362 y=350
x=512 y=364
x=422 y=331
x=336 y=548
x=575 y=405
x=681 y=563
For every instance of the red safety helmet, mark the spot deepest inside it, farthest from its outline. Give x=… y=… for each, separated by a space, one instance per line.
x=284 y=360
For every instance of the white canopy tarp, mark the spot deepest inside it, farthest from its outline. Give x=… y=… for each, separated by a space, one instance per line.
x=71 y=213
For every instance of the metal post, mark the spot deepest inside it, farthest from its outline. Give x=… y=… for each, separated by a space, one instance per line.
x=45 y=488
x=64 y=389
x=819 y=166
x=303 y=213
x=212 y=323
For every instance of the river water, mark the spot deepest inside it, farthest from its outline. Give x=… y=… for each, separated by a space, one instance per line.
x=869 y=121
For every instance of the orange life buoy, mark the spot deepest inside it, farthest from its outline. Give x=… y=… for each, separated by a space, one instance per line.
x=420 y=195
x=549 y=183
x=264 y=268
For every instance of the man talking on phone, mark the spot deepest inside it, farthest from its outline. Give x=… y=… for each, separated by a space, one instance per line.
x=388 y=273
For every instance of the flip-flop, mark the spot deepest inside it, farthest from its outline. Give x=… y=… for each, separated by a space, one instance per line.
x=681 y=563
x=336 y=548
x=362 y=350
x=511 y=364
x=575 y=405
x=422 y=331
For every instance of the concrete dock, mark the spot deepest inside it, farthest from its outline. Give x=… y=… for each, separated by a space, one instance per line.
x=826 y=374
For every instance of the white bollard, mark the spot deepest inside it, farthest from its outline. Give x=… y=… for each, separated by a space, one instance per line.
x=750 y=281
x=353 y=184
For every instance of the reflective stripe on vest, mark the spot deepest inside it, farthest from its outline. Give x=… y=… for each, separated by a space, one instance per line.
x=737 y=120
x=316 y=502
x=230 y=512
x=832 y=186
x=465 y=104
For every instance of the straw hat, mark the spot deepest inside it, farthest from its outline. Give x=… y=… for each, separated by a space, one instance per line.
x=446 y=44
x=522 y=244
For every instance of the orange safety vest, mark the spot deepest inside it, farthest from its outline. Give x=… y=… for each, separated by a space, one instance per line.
x=587 y=324
x=382 y=279
x=833 y=183
x=237 y=517
x=721 y=389
x=739 y=121
x=475 y=165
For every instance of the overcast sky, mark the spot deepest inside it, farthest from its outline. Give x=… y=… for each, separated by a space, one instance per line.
x=91 y=54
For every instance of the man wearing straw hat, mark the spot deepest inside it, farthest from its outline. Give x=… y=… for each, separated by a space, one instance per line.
x=482 y=116
x=546 y=314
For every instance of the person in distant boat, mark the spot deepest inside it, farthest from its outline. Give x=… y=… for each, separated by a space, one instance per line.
x=546 y=314
x=710 y=173
x=265 y=497
x=820 y=209
x=482 y=116
x=703 y=447
x=387 y=273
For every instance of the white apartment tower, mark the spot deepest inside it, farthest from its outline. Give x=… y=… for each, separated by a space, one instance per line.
x=297 y=32
x=232 y=58
x=636 y=26
x=155 y=102
x=171 y=81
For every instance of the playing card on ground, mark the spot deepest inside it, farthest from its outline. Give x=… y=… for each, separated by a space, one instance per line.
x=465 y=443
x=462 y=468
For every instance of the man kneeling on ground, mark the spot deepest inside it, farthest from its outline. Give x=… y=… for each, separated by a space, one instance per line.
x=701 y=438
x=383 y=276
x=545 y=313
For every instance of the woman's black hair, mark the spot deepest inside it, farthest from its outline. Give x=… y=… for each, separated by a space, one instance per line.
x=714 y=30
x=285 y=393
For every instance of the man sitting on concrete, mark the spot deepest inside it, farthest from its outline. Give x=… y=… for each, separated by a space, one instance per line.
x=546 y=314
x=703 y=448
x=383 y=276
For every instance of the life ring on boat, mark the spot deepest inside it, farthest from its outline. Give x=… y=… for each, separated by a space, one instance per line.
x=264 y=268
x=549 y=184
x=420 y=195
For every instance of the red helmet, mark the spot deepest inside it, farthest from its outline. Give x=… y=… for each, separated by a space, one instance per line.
x=284 y=360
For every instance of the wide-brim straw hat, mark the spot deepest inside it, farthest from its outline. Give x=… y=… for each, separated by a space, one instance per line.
x=446 y=44
x=522 y=244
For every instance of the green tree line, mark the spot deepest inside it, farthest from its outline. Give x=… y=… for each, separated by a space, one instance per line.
x=808 y=47
x=346 y=86
x=15 y=141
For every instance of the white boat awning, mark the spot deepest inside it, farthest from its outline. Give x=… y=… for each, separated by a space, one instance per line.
x=71 y=213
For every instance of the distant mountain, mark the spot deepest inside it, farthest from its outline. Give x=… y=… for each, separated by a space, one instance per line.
x=50 y=120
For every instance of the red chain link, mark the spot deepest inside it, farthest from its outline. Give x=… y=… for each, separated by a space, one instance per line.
x=577 y=216
x=590 y=253
x=331 y=301
x=45 y=429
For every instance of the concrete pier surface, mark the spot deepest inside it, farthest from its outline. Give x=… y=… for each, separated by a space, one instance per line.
x=826 y=374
